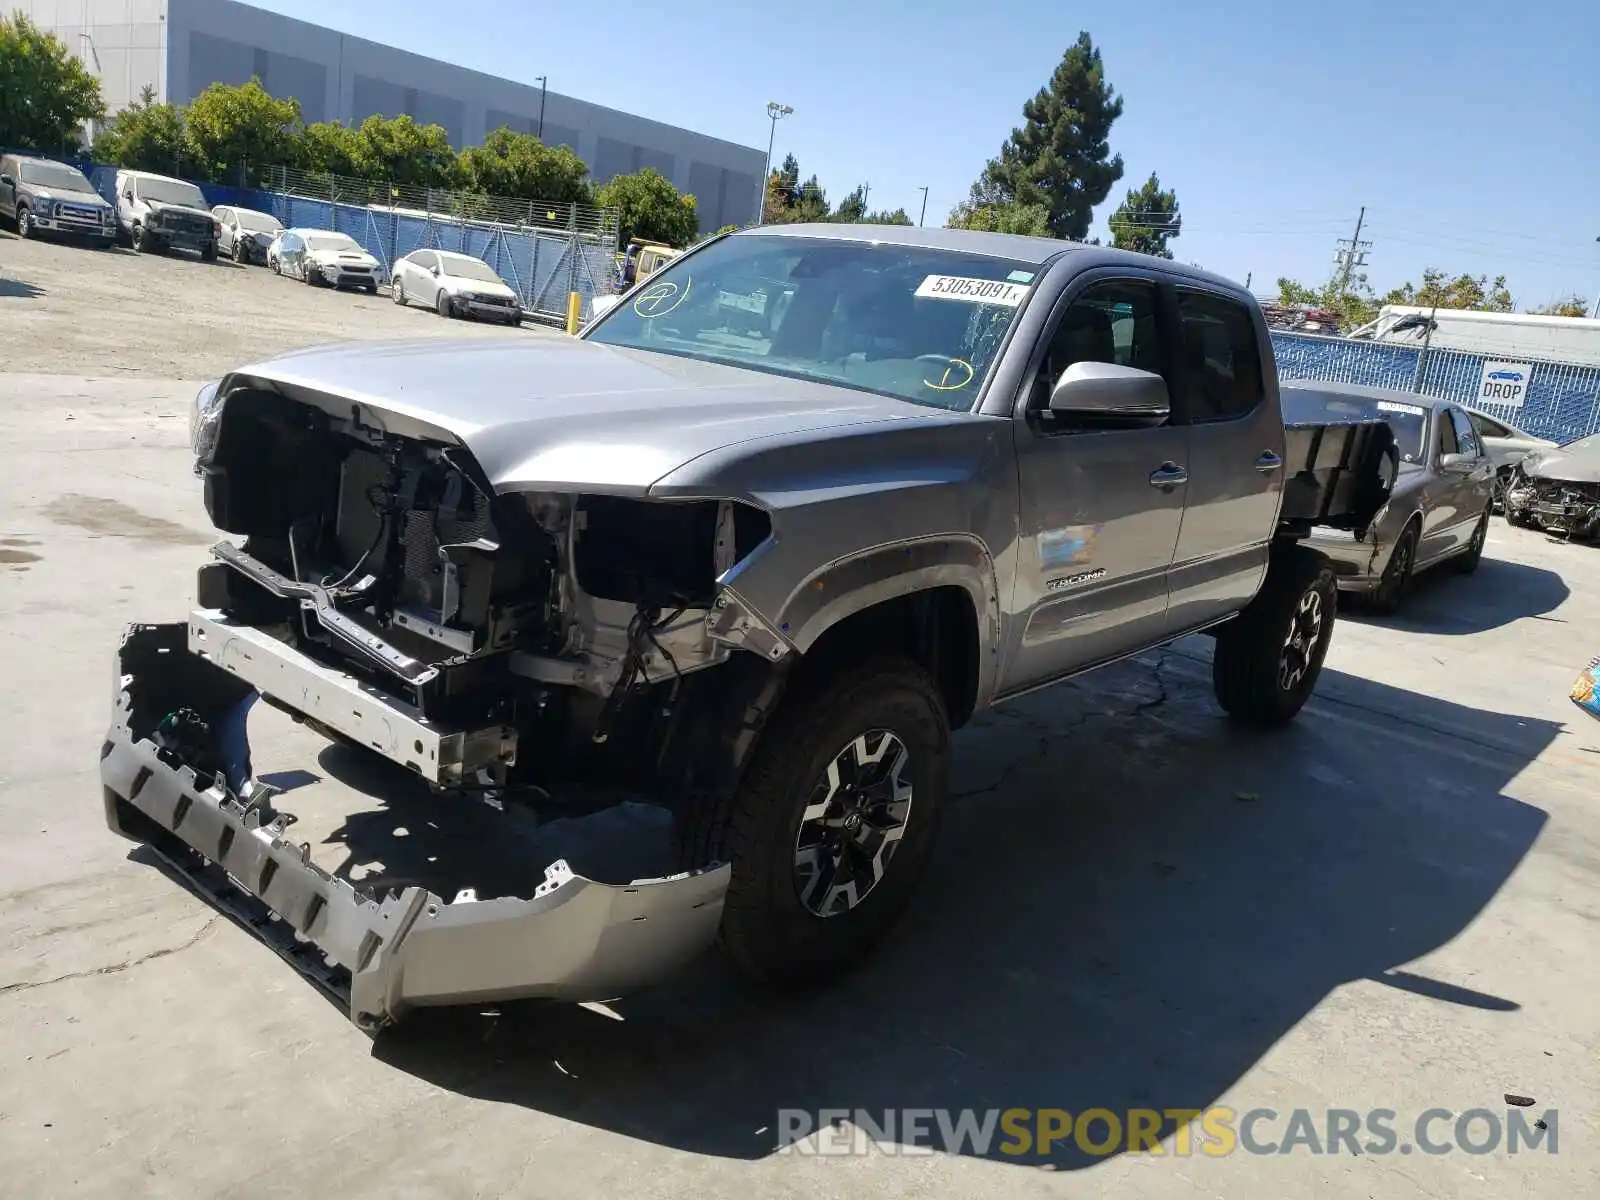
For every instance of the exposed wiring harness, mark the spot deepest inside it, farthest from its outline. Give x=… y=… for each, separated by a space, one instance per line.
x=643 y=631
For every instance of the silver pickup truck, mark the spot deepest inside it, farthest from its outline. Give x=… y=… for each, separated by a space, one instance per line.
x=749 y=548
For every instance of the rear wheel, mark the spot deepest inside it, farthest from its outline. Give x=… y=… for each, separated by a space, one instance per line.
x=833 y=824
x=1267 y=659
x=1396 y=578
x=208 y=252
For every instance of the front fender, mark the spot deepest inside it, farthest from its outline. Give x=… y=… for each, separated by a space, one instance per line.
x=850 y=585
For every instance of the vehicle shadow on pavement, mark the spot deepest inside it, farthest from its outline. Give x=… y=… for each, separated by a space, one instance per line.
x=17 y=289
x=1438 y=600
x=1133 y=902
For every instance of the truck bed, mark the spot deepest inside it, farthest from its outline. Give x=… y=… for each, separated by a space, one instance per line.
x=1337 y=472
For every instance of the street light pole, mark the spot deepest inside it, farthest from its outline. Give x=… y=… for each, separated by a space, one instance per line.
x=923 y=215
x=1595 y=311
x=543 y=83
x=775 y=111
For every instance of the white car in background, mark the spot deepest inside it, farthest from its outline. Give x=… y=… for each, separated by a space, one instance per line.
x=244 y=234
x=1507 y=446
x=454 y=285
x=321 y=257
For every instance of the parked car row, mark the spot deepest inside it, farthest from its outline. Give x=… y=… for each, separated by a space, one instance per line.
x=154 y=214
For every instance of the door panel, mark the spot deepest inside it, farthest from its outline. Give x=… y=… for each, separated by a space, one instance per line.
x=1236 y=451
x=1440 y=512
x=1100 y=520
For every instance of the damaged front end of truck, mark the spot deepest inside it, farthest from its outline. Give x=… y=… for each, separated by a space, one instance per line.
x=508 y=646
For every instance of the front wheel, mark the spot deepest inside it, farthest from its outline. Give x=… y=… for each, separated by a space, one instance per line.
x=1267 y=659
x=141 y=240
x=1467 y=561
x=443 y=306
x=1396 y=578
x=398 y=289
x=24 y=222
x=833 y=824
x=239 y=255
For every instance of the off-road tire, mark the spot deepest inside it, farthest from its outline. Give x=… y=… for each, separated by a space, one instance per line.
x=768 y=935
x=1247 y=666
x=1395 y=582
x=25 y=228
x=1467 y=561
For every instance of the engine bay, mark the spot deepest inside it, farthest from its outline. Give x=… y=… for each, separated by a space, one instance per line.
x=562 y=619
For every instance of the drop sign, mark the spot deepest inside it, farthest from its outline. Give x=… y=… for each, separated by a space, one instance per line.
x=1504 y=383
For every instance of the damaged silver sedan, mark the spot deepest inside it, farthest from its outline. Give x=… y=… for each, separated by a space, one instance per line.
x=1558 y=490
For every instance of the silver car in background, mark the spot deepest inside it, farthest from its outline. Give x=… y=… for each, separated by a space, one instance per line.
x=1508 y=446
x=244 y=234
x=455 y=285
x=324 y=258
x=1439 y=508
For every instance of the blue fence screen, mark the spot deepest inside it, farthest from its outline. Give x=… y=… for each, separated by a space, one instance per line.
x=1562 y=401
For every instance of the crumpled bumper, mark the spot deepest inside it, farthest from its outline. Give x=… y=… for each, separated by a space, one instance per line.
x=573 y=939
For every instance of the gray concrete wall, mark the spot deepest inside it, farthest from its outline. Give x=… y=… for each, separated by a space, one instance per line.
x=179 y=47
x=337 y=76
x=128 y=39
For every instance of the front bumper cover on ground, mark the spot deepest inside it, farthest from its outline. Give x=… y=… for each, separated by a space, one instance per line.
x=573 y=939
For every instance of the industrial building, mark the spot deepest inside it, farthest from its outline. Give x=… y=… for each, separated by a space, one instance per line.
x=180 y=47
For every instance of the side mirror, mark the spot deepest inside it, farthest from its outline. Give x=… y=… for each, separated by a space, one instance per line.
x=434 y=271
x=1457 y=464
x=1096 y=393
x=8 y=180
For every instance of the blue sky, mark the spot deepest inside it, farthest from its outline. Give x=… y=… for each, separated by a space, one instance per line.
x=1469 y=129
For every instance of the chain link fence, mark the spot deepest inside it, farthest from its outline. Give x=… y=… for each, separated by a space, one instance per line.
x=545 y=251
x=1562 y=400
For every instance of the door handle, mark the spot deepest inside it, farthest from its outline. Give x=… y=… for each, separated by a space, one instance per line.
x=1168 y=475
x=1268 y=462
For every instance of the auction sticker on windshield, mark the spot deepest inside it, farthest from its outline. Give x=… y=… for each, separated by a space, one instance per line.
x=1393 y=406
x=973 y=291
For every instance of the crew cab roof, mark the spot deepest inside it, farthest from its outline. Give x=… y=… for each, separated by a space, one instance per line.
x=1033 y=250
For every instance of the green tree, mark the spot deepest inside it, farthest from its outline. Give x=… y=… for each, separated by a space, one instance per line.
x=328 y=148
x=1355 y=304
x=1147 y=220
x=519 y=164
x=897 y=216
x=1060 y=157
x=650 y=209
x=45 y=93
x=1464 y=291
x=146 y=136
x=852 y=209
x=1571 y=306
x=239 y=132
x=1032 y=220
x=401 y=151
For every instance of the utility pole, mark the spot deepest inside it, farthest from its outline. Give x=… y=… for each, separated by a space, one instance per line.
x=1350 y=255
x=924 y=213
x=1420 y=376
x=1595 y=311
x=543 y=82
x=775 y=112
x=1248 y=276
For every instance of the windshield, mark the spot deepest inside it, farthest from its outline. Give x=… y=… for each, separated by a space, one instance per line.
x=256 y=222
x=468 y=268
x=1409 y=421
x=58 y=176
x=331 y=241
x=916 y=323
x=171 y=191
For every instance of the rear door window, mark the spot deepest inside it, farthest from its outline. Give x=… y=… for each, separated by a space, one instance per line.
x=1219 y=356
